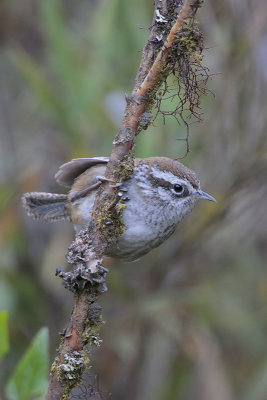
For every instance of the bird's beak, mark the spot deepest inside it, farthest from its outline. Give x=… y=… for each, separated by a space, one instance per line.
x=202 y=195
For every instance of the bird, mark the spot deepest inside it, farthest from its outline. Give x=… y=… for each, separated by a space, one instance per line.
x=158 y=194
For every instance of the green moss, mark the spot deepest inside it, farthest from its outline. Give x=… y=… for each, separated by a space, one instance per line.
x=91 y=332
x=54 y=368
x=109 y=217
x=189 y=43
x=126 y=167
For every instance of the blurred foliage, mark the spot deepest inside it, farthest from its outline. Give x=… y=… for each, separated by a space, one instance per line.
x=4 y=341
x=29 y=379
x=188 y=321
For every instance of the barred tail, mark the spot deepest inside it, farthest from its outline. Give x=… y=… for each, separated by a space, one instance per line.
x=46 y=206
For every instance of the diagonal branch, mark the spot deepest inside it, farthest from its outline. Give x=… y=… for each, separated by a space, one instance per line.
x=87 y=278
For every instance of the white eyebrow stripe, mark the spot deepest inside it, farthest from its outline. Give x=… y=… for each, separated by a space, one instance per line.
x=166 y=176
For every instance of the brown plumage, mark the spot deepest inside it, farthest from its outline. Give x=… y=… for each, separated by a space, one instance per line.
x=157 y=196
x=68 y=172
x=173 y=166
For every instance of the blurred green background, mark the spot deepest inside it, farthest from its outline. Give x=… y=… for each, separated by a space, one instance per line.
x=188 y=321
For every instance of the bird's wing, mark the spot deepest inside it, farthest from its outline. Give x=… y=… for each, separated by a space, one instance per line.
x=69 y=171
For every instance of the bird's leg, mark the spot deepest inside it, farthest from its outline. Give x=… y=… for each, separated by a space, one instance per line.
x=104 y=179
x=84 y=192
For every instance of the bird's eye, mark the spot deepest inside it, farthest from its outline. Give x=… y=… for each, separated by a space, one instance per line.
x=178 y=188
